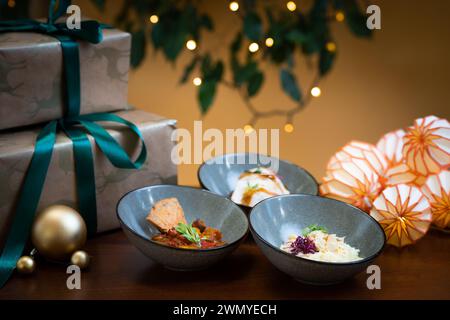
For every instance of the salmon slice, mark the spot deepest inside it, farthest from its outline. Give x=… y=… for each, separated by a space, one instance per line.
x=166 y=214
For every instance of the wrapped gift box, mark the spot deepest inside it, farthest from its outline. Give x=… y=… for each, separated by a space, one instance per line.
x=31 y=82
x=16 y=149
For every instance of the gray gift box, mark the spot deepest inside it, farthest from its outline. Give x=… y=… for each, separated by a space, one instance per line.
x=16 y=150
x=31 y=82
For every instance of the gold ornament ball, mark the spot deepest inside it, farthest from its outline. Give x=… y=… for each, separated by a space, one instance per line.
x=81 y=259
x=25 y=265
x=58 y=231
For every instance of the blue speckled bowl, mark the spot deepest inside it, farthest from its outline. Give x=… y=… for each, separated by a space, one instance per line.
x=220 y=174
x=216 y=211
x=273 y=220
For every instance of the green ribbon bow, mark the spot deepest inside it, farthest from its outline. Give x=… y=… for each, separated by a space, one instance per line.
x=75 y=127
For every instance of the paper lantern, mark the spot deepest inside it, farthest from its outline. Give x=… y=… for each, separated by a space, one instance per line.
x=404 y=213
x=352 y=181
x=401 y=173
x=361 y=152
x=437 y=190
x=427 y=145
x=391 y=146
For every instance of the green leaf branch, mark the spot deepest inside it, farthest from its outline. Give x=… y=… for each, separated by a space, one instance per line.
x=304 y=33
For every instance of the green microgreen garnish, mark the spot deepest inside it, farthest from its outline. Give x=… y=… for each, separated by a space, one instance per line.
x=313 y=227
x=252 y=187
x=189 y=232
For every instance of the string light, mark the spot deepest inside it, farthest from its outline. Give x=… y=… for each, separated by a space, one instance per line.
x=248 y=129
x=316 y=92
x=340 y=16
x=331 y=46
x=11 y=3
x=269 y=42
x=253 y=47
x=234 y=6
x=289 y=127
x=191 y=45
x=154 y=18
x=291 y=6
x=197 y=81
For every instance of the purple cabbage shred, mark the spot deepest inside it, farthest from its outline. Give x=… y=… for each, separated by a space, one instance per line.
x=303 y=245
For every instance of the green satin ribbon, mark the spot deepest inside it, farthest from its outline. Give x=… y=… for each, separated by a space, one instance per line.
x=84 y=169
x=75 y=126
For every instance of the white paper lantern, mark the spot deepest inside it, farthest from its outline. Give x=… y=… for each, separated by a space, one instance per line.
x=427 y=145
x=404 y=213
x=391 y=146
x=437 y=190
x=352 y=181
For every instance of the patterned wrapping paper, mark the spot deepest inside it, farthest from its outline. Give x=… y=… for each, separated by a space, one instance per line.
x=16 y=149
x=31 y=82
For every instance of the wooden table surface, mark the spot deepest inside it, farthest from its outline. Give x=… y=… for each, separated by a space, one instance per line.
x=119 y=271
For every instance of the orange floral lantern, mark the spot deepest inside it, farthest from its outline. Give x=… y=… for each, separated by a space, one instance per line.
x=427 y=145
x=391 y=146
x=400 y=173
x=437 y=190
x=361 y=152
x=352 y=181
x=404 y=213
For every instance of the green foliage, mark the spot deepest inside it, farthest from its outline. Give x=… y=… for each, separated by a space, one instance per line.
x=138 y=48
x=211 y=75
x=253 y=26
x=188 y=69
x=303 y=32
x=289 y=84
x=356 y=20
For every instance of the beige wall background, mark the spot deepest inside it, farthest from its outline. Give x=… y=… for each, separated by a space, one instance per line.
x=376 y=85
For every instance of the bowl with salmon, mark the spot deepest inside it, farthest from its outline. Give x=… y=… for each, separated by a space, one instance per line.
x=181 y=228
x=249 y=178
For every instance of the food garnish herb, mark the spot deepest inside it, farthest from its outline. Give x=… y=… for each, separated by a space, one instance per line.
x=313 y=227
x=189 y=233
x=303 y=245
x=252 y=187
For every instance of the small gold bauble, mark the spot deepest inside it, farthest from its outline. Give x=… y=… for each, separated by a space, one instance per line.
x=81 y=259
x=25 y=265
x=58 y=231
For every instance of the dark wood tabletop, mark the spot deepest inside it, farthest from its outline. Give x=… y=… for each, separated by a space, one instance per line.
x=120 y=271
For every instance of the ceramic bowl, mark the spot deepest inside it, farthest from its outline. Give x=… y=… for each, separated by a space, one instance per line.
x=273 y=220
x=220 y=174
x=216 y=211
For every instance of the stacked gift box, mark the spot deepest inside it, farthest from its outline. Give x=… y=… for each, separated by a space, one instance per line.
x=33 y=92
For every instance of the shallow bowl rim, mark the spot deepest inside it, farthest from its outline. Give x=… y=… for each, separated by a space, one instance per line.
x=257 y=154
x=228 y=244
x=295 y=195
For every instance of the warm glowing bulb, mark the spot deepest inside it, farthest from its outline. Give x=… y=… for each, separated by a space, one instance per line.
x=289 y=127
x=11 y=3
x=197 y=81
x=269 y=42
x=191 y=45
x=154 y=18
x=291 y=6
x=253 y=47
x=316 y=92
x=340 y=16
x=331 y=46
x=248 y=129
x=234 y=6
